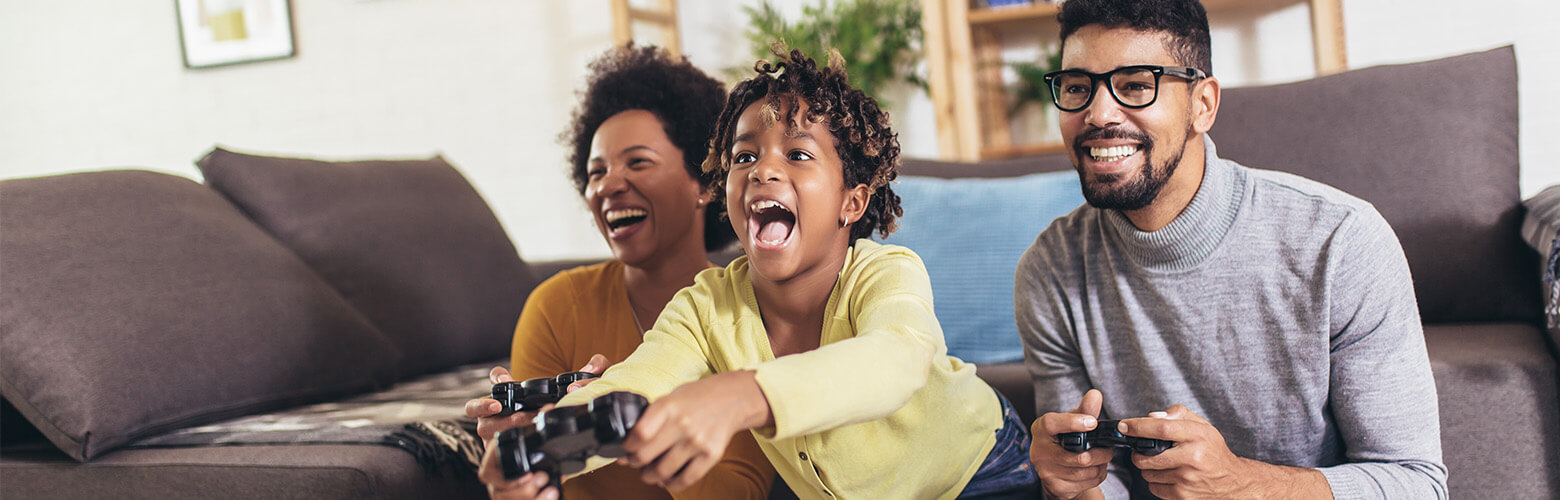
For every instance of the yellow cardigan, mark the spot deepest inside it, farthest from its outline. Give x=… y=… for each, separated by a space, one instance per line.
x=879 y=410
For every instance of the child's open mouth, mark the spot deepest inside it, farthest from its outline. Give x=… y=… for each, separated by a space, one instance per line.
x=770 y=224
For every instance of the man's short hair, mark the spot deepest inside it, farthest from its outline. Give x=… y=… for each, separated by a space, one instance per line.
x=1184 y=21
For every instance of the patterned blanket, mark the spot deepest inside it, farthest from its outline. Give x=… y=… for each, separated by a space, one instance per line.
x=1552 y=284
x=424 y=416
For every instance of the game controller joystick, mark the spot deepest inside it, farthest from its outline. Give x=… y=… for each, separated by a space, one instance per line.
x=1105 y=434
x=531 y=395
x=560 y=439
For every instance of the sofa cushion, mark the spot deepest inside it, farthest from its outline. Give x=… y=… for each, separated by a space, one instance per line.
x=1433 y=146
x=971 y=264
x=136 y=302
x=409 y=243
x=1498 y=399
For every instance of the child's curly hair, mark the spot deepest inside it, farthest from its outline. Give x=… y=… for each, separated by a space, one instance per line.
x=863 y=139
x=683 y=98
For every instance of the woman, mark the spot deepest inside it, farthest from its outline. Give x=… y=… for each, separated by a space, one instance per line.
x=637 y=141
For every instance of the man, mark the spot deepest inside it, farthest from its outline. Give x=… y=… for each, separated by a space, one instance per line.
x=1263 y=322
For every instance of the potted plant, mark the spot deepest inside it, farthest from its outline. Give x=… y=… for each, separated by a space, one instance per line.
x=879 y=39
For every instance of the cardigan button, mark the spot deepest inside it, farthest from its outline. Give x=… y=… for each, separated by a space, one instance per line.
x=803 y=455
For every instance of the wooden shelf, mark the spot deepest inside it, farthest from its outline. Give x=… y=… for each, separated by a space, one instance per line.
x=1017 y=14
x=963 y=51
x=624 y=16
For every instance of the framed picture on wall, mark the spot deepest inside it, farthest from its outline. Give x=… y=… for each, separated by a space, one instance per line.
x=223 y=32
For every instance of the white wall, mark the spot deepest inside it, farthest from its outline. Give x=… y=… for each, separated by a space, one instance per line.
x=93 y=84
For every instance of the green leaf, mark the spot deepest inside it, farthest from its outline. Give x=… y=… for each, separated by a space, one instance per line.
x=881 y=40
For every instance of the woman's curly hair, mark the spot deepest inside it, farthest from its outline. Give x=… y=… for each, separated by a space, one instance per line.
x=683 y=98
x=866 y=144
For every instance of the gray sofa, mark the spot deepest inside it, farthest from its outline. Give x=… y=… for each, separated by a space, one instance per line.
x=134 y=303
x=1433 y=146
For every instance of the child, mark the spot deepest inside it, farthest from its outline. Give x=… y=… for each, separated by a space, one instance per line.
x=820 y=342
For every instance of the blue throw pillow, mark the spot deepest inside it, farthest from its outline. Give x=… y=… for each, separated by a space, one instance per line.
x=971 y=232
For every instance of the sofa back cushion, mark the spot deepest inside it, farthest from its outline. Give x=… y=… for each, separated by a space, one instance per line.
x=970 y=232
x=1433 y=146
x=134 y=303
x=410 y=244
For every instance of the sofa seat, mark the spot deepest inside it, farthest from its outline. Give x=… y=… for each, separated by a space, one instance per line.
x=295 y=471
x=1502 y=373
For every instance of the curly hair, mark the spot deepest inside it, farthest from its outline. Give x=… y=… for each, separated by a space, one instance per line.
x=683 y=98
x=1184 y=20
x=867 y=146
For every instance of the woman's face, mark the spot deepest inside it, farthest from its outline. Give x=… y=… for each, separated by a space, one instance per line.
x=645 y=203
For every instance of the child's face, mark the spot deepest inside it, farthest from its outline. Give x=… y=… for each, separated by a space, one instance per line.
x=786 y=195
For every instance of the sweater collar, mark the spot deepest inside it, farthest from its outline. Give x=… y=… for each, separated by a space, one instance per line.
x=1197 y=231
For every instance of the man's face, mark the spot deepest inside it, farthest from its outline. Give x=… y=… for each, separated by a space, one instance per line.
x=1125 y=156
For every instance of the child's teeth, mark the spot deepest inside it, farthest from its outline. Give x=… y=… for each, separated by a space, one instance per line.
x=1112 y=153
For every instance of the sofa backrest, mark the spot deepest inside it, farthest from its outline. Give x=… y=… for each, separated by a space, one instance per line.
x=1433 y=145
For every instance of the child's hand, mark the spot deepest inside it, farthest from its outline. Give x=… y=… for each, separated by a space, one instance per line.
x=485 y=409
x=527 y=487
x=1065 y=474
x=682 y=435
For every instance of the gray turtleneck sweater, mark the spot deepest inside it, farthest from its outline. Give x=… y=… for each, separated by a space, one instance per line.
x=1279 y=308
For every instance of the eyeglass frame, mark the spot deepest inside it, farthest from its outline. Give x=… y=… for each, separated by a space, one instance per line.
x=1189 y=73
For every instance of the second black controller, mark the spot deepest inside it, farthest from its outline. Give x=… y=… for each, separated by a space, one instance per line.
x=1105 y=434
x=531 y=395
x=560 y=440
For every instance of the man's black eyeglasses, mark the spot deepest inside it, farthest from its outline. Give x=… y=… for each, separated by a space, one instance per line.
x=1132 y=86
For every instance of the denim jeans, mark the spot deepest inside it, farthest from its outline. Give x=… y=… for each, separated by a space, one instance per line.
x=1006 y=472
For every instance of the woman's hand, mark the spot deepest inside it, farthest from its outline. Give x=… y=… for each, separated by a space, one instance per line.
x=529 y=486
x=684 y=434
x=597 y=365
x=485 y=409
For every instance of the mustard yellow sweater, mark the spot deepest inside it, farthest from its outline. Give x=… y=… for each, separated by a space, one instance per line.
x=879 y=410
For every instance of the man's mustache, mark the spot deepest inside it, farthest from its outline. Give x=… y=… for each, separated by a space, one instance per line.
x=1095 y=133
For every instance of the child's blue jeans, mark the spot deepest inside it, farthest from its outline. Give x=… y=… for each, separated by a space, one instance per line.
x=1006 y=472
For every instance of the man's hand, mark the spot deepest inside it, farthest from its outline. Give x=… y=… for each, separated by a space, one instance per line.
x=1201 y=465
x=529 y=486
x=684 y=434
x=1064 y=474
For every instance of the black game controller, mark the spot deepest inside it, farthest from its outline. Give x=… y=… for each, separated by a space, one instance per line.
x=560 y=439
x=1105 y=434
x=531 y=395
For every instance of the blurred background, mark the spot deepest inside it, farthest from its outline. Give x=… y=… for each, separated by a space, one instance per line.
x=490 y=84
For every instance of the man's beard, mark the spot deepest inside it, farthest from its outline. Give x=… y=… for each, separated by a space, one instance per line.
x=1102 y=192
